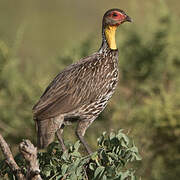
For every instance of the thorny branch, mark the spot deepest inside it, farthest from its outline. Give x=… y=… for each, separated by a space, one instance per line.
x=10 y=160
x=29 y=153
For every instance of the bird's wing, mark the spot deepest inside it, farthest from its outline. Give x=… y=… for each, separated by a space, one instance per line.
x=70 y=89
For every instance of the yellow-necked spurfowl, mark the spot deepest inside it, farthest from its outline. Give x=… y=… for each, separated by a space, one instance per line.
x=81 y=91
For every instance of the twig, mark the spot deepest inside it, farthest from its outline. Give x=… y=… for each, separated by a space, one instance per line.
x=30 y=155
x=10 y=160
x=29 y=152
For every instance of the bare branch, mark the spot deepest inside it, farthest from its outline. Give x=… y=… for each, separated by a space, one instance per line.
x=30 y=155
x=10 y=160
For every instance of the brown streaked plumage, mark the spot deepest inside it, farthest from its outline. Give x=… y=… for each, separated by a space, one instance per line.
x=81 y=91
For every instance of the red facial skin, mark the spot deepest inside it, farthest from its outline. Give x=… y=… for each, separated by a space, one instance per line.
x=117 y=16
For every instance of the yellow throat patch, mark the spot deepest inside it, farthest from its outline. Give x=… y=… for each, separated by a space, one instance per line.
x=110 y=36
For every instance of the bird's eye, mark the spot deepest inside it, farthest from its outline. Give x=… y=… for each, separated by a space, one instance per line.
x=115 y=14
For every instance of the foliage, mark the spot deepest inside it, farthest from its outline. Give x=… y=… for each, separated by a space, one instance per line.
x=16 y=94
x=116 y=151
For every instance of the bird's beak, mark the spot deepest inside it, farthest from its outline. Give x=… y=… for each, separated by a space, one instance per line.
x=128 y=19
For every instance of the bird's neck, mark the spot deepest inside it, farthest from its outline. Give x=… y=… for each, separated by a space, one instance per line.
x=110 y=32
x=108 y=38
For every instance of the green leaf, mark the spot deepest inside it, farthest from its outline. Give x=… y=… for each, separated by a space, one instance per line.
x=123 y=144
x=79 y=171
x=64 y=169
x=92 y=166
x=104 y=177
x=104 y=133
x=99 y=172
x=73 y=176
x=112 y=135
x=94 y=156
x=58 y=177
x=137 y=157
x=77 y=145
x=65 y=156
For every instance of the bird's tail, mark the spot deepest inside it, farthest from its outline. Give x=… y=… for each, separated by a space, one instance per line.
x=45 y=132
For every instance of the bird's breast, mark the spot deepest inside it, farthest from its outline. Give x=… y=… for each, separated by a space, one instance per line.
x=103 y=80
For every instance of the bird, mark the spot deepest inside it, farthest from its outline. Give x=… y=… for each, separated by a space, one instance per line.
x=80 y=92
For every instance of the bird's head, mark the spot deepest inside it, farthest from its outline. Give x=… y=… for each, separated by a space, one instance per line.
x=111 y=20
x=115 y=17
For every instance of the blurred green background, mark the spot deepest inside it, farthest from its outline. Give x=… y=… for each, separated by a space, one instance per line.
x=38 y=38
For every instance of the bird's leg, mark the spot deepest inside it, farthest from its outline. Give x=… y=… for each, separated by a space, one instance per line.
x=60 y=139
x=80 y=131
x=58 y=125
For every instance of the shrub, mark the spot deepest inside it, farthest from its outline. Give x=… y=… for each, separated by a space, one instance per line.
x=112 y=160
